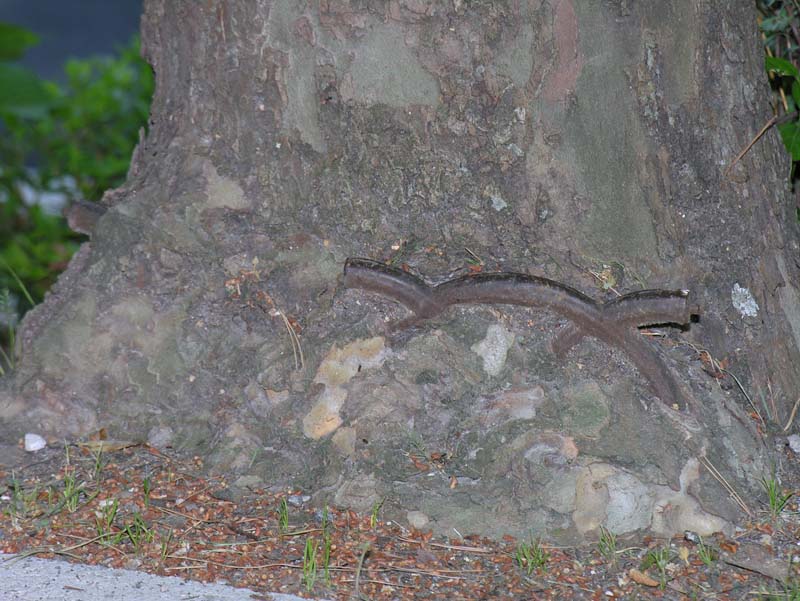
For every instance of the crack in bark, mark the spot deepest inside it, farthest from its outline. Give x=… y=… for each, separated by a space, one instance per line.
x=614 y=322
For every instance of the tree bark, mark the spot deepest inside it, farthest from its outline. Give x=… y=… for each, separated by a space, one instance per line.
x=580 y=143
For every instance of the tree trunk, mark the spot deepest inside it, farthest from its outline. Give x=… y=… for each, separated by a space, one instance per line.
x=579 y=143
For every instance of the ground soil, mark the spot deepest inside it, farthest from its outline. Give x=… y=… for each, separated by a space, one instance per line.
x=171 y=519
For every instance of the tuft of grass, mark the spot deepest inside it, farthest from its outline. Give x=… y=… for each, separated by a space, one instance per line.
x=283 y=516
x=72 y=492
x=137 y=532
x=165 y=541
x=607 y=545
x=790 y=592
x=658 y=558
x=327 y=543
x=776 y=500
x=309 y=564
x=325 y=522
x=326 y=558
x=531 y=556
x=23 y=503
x=8 y=317
x=99 y=463
x=376 y=508
x=104 y=518
x=147 y=487
x=706 y=553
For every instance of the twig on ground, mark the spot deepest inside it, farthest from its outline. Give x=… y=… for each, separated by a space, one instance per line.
x=792 y=415
x=356 y=596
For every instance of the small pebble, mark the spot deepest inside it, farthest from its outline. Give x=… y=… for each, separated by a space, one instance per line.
x=417 y=519
x=298 y=500
x=692 y=537
x=794 y=443
x=34 y=442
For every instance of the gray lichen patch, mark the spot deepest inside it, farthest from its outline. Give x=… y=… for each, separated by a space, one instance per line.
x=516 y=59
x=743 y=301
x=514 y=404
x=605 y=131
x=385 y=71
x=585 y=410
x=70 y=346
x=493 y=349
x=223 y=192
x=311 y=267
x=360 y=492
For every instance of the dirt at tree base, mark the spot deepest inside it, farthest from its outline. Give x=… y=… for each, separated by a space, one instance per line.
x=170 y=519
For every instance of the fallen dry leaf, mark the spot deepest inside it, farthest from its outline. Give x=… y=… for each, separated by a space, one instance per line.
x=106 y=446
x=642 y=578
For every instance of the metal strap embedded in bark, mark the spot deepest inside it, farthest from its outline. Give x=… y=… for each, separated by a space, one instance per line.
x=614 y=322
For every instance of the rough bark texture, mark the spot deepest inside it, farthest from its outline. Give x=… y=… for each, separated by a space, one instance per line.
x=552 y=138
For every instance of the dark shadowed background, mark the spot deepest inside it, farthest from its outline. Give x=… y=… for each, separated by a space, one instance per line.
x=71 y=29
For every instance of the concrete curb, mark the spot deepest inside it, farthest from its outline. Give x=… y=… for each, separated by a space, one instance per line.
x=34 y=579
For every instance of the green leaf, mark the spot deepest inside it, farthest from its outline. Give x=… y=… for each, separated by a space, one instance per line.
x=14 y=41
x=790 y=134
x=781 y=65
x=22 y=93
x=780 y=22
x=796 y=92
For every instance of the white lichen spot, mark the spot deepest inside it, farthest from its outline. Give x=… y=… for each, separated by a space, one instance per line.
x=498 y=204
x=494 y=348
x=495 y=197
x=743 y=301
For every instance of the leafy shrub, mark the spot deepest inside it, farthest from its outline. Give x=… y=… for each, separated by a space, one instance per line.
x=74 y=139
x=780 y=23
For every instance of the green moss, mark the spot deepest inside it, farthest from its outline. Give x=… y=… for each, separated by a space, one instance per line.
x=585 y=410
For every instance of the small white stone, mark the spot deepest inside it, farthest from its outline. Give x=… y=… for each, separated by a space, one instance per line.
x=34 y=442
x=794 y=443
x=417 y=519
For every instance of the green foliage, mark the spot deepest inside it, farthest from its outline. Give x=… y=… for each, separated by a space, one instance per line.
x=376 y=508
x=72 y=492
x=147 y=488
x=104 y=520
x=309 y=564
x=706 y=553
x=137 y=532
x=75 y=139
x=14 y=41
x=658 y=558
x=531 y=556
x=607 y=545
x=776 y=499
x=283 y=516
x=780 y=20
